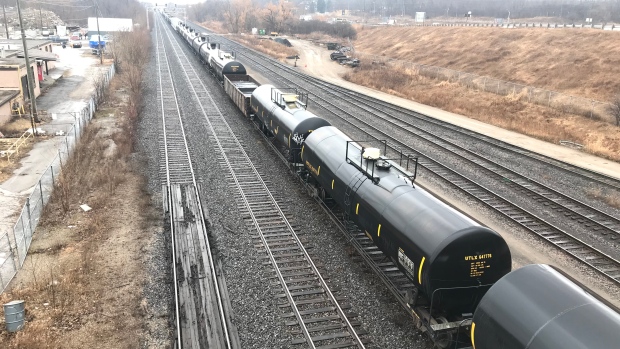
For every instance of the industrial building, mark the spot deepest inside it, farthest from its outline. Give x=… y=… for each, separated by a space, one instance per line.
x=13 y=74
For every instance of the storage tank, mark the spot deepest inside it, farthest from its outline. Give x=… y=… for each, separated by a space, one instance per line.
x=540 y=307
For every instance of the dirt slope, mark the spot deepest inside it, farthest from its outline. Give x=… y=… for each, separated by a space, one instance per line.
x=581 y=62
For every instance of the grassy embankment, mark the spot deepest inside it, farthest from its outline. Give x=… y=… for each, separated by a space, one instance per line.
x=83 y=278
x=578 y=62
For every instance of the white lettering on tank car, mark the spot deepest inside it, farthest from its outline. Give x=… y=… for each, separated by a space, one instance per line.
x=405 y=262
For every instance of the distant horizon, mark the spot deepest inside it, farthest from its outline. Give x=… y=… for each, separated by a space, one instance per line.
x=178 y=2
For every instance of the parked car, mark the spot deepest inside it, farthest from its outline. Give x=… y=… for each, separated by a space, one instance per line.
x=58 y=39
x=75 y=43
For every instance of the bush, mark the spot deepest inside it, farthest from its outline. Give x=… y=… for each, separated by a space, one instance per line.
x=343 y=30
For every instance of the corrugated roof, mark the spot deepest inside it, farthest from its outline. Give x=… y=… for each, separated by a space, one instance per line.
x=38 y=54
x=7 y=95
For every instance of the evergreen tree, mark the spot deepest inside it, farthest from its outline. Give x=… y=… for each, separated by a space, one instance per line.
x=320 y=6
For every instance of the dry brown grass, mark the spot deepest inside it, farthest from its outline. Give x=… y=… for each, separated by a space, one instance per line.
x=266 y=46
x=12 y=131
x=321 y=37
x=215 y=26
x=63 y=280
x=579 y=62
x=16 y=127
x=507 y=112
x=82 y=281
x=610 y=199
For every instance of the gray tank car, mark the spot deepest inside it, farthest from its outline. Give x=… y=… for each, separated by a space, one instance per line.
x=540 y=307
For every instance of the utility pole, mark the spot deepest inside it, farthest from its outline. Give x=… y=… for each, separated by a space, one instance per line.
x=6 y=26
x=98 y=34
x=41 y=19
x=33 y=103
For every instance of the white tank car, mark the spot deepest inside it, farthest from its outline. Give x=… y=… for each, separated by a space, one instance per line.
x=206 y=50
x=201 y=39
x=175 y=22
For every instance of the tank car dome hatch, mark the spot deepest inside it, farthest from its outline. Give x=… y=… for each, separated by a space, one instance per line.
x=291 y=101
x=383 y=165
x=371 y=153
x=540 y=307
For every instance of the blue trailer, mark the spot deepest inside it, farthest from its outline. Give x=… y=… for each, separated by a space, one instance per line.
x=95 y=42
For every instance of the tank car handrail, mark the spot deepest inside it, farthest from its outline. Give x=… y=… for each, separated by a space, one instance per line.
x=465 y=322
x=278 y=92
x=371 y=174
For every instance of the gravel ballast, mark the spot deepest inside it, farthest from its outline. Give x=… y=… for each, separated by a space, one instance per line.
x=257 y=314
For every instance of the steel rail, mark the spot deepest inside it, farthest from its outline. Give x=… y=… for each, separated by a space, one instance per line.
x=576 y=170
x=180 y=166
x=178 y=342
x=596 y=259
x=539 y=192
x=216 y=121
x=604 y=179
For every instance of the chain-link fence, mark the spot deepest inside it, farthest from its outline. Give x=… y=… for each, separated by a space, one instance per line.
x=603 y=26
x=13 y=249
x=566 y=103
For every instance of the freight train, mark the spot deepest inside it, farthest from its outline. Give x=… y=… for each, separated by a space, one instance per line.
x=460 y=269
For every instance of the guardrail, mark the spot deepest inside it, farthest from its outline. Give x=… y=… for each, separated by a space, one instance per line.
x=14 y=247
x=14 y=148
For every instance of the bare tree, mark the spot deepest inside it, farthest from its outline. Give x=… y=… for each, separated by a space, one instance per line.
x=614 y=109
x=236 y=14
x=270 y=17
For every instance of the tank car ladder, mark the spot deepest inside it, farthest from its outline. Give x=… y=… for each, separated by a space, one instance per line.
x=357 y=181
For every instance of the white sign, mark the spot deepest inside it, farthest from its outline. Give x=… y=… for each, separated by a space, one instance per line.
x=110 y=24
x=419 y=17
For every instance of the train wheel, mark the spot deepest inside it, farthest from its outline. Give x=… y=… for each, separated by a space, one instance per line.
x=444 y=339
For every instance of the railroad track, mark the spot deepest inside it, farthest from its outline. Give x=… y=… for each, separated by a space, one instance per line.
x=202 y=309
x=512 y=150
x=321 y=320
x=606 y=225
